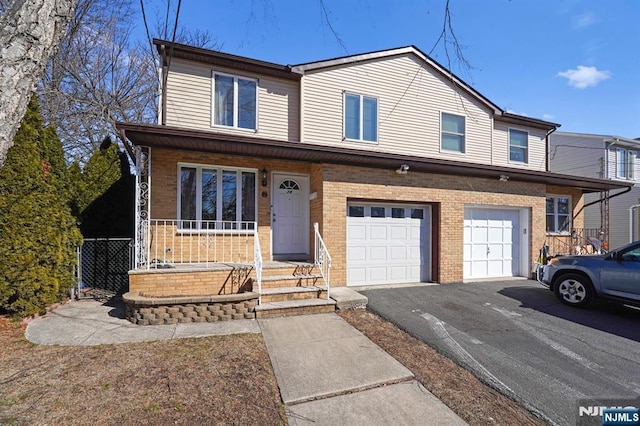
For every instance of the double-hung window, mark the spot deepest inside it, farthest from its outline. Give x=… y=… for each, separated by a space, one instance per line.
x=216 y=198
x=360 y=118
x=453 y=130
x=518 y=146
x=558 y=214
x=234 y=101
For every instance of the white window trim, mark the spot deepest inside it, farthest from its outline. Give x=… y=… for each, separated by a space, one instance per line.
x=555 y=214
x=464 y=136
x=361 y=118
x=526 y=149
x=235 y=101
x=630 y=163
x=199 y=168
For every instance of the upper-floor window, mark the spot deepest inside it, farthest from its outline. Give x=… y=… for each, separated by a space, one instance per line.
x=360 y=118
x=625 y=163
x=234 y=101
x=518 y=146
x=216 y=198
x=453 y=130
x=558 y=214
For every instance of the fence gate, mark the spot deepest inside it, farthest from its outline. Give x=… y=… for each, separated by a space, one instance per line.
x=104 y=265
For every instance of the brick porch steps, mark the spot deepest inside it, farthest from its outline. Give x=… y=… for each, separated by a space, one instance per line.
x=281 y=294
x=295 y=307
x=300 y=280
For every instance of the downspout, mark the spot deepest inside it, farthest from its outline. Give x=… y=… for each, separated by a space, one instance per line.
x=163 y=87
x=631 y=221
x=548 y=143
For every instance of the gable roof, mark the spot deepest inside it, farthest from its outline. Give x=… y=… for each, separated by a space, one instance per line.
x=296 y=72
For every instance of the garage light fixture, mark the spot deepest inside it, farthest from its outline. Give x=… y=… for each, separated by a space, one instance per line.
x=403 y=169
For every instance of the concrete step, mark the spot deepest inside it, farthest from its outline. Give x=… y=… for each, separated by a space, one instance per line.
x=281 y=294
x=288 y=268
x=274 y=281
x=295 y=307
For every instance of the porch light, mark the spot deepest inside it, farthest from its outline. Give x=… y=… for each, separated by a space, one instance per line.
x=263 y=174
x=504 y=178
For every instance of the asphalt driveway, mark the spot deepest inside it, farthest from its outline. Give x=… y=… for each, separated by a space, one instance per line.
x=517 y=337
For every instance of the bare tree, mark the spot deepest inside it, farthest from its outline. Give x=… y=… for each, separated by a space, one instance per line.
x=29 y=33
x=98 y=77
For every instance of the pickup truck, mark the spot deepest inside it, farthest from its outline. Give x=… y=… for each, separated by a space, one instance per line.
x=577 y=280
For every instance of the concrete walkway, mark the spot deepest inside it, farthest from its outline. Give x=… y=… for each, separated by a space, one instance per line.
x=89 y=322
x=327 y=371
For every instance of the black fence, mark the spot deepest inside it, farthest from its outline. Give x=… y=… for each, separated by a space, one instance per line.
x=104 y=267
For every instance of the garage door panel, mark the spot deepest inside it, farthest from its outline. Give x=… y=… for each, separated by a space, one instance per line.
x=357 y=232
x=397 y=253
x=398 y=232
x=356 y=253
x=377 y=253
x=479 y=235
x=378 y=232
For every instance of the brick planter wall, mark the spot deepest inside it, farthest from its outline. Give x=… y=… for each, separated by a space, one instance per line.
x=173 y=310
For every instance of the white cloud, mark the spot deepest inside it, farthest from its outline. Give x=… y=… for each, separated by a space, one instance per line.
x=583 y=21
x=583 y=77
x=548 y=117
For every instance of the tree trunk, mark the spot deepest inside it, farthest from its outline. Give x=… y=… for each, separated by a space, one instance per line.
x=29 y=33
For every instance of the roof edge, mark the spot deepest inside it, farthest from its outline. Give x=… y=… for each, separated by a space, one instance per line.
x=185 y=51
x=150 y=135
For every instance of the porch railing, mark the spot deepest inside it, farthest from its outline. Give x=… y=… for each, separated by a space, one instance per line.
x=257 y=262
x=579 y=241
x=184 y=242
x=322 y=258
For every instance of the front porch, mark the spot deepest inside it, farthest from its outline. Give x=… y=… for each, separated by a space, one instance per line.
x=180 y=263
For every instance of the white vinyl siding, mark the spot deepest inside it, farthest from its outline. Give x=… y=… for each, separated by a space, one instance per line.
x=410 y=97
x=189 y=101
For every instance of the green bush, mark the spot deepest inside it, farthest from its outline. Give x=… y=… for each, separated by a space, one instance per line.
x=38 y=234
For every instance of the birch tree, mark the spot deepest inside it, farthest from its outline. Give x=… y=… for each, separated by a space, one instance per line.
x=30 y=30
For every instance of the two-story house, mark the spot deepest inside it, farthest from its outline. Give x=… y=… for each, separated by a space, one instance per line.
x=410 y=174
x=614 y=214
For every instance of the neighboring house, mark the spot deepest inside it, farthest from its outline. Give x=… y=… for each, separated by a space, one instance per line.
x=410 y=173
x=604 y=157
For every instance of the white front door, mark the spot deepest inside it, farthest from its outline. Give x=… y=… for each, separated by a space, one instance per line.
x=290 y=214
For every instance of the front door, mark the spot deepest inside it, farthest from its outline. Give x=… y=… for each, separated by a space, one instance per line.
x=290 y=215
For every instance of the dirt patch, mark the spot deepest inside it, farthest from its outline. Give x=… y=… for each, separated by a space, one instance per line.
x=213 y=380
x=475 y=402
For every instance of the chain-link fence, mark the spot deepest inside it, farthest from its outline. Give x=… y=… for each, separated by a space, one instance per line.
x=104 y=265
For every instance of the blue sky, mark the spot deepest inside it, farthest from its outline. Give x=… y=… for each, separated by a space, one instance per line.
x=573 y=62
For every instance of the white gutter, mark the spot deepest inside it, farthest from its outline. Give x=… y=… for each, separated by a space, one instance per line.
x=631 y=221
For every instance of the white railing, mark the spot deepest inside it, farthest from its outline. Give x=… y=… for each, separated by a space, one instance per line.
x=257 y=262
x=199 y=243
x=322 y=258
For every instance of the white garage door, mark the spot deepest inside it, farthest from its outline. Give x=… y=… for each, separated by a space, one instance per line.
x=491 y=242
x=388 y=244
